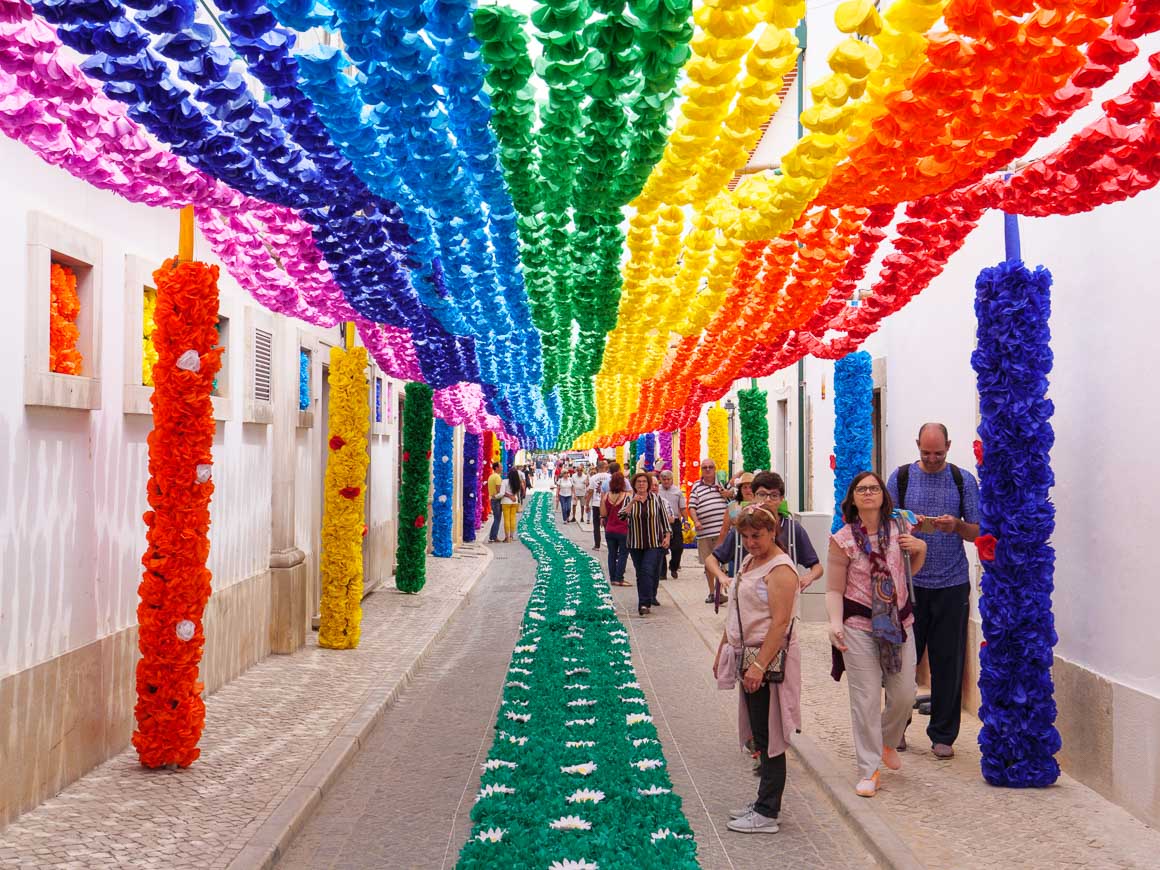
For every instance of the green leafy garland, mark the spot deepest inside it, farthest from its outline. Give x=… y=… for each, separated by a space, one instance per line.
x=611 y=70
x=754 y=412
x=418 y=422
x=576 y=777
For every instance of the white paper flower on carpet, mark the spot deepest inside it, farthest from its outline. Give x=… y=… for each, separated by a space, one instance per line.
x=574 y=636
x=618 y=640
x=568 y=864
x=632 y=685
x=516 y=684
x=577 y=687
x=531 y=647
x=566 y=659
x=579 y=744
x=585 y=796
x=585 y=769
x=576 y=671
x=637 y=718
x=567 y=611
x=515 y=702
x=519 y=671
x=641 y=741
x=497 y=763
x=582 y=702
x=518 y=741
x=572 y=722
x=648 y=764
x=653 y=790
x=491 y=835
x=665 y=834
x=532 y=614
x=634 y=701
x=571 y=823
x=519 y=717
x=489 y=790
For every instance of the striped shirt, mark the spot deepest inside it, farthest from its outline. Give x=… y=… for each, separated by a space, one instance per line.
x=648 y=522
x=710 y=506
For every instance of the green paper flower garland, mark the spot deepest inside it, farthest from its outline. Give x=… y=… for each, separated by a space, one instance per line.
x=418 y=422
x=576 y=776
x=753 y=410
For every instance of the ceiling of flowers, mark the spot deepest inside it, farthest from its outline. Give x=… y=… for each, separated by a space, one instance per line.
x=535 y=215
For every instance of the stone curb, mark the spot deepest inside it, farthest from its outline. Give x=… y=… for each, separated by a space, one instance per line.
x=271 y=839
x=889 y=849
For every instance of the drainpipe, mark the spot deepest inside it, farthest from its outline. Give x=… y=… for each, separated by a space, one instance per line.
x=801 y=366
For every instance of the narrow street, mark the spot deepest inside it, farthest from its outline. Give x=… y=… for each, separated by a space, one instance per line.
x=405 y=800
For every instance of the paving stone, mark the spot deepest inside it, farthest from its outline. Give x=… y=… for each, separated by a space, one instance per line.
x=263 y=732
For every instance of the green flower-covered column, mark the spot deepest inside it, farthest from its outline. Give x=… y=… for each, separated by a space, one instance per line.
x=754 y=412
x=418 y=422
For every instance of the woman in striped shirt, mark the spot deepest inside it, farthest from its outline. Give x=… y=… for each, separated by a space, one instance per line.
x=648 y=538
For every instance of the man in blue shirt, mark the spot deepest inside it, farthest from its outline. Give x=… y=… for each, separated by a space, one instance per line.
x=946 y=499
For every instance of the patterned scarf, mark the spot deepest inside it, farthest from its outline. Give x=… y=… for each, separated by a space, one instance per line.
x=885 y=625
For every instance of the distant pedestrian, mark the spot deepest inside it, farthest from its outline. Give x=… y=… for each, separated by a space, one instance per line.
x=615 y=528
x=580 y=495
x=869 y=607
x=564 y=494
x=648 y=533
x=708 y=502
x=597 y=486
x=494 y=485
x=674 y=498
x=758 y=628
x=511 y=495
x=946 y=500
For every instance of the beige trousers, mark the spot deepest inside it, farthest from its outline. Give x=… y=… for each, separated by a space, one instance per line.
x=875 y=726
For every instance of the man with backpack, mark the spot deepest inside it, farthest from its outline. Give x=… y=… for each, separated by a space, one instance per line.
x=946 y=500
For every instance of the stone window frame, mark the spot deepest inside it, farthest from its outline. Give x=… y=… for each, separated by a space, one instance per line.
x=52 y=240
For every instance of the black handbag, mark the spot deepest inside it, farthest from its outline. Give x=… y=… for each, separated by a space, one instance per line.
x=775 y=670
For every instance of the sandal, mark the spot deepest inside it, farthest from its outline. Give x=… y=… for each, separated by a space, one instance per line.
x=868 y=787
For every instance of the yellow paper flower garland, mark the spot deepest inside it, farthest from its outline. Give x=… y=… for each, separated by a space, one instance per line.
x=719 y=437
x=342 y=520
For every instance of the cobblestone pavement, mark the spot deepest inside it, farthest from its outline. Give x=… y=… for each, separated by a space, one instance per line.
x=263 y=731
x=697 y=723
x=406 y=798
x=943 y=810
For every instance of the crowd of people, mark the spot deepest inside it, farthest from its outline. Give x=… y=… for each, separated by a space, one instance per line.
x=897 y=586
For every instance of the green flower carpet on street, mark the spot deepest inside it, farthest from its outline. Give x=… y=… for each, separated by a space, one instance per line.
x=576 y=777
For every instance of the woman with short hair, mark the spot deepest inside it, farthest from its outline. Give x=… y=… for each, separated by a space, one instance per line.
x=648 y=535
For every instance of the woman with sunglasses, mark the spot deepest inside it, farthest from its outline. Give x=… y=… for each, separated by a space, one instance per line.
x=759 y=646
x=870 y=612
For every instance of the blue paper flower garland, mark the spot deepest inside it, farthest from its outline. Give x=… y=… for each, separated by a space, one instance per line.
x=650 y=451
x=1012 y=360
x=470 y=479
x=443 y=510
x=853 y=424
x=303 y=381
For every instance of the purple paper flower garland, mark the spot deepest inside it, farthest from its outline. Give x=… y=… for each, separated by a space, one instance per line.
x=1012 y=361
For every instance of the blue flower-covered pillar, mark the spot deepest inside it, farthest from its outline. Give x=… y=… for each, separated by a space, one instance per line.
x=650 y=451
x=1012 y=361
x=470 y=485
x=853 y=424
x=443 y=511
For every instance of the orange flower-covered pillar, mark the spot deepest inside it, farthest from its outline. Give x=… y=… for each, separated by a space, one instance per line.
x=175 y=586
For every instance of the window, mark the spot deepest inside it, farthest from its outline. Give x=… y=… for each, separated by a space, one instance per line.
x=62 y=350
x=140 y=299
x=259 y=404
x=378 y=400
x=306 y=397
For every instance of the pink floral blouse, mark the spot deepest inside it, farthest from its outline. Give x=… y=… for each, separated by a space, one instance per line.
x=858 y=572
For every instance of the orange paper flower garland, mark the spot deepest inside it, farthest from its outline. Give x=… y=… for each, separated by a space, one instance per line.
x=175 y=585
x=63 y=334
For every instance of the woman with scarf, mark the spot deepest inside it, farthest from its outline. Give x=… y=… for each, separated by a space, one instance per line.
x=868 y=602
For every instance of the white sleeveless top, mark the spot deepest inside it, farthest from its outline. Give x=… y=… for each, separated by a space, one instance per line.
x=751 y=597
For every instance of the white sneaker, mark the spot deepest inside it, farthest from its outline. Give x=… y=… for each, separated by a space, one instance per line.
x=742 y=811
x=754 y=823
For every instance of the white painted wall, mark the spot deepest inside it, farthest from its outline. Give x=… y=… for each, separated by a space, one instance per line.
x=72 y=483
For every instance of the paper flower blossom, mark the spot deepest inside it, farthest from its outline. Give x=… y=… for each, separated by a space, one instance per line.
x=585 y=769
x=572 y=722
x=641 y=741
x=567 y=611
x=666 y=833
x=527 y=648
x=653 y=790
x=570 y=823
x=63 y=333
x=585 y=795
x=582 y=702
x=489 y=790
x=579 y=744
x=576 y=687
x=535 y=614
x=497 y=763
x=568 y=864
x=633 y=685
x=648 y=764
x=516 y=684
x=491 y=835
x=518 y=717
x=634 y=700
x=637 y=718
x=574 y=671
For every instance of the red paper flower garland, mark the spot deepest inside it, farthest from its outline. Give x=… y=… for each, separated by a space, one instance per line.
x=176 y=584
x=63 y=334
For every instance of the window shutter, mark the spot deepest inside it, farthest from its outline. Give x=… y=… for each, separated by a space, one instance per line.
x=263 y=354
